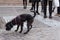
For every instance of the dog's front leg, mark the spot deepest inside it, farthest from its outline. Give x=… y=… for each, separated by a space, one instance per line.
x=17 y=28
x=21 y=28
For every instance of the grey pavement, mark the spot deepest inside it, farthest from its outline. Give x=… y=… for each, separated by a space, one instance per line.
x=42 y=29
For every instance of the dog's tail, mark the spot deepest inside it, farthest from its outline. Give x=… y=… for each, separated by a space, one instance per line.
x=34 y=14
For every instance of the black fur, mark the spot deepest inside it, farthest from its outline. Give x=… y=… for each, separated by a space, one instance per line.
x=19 y=20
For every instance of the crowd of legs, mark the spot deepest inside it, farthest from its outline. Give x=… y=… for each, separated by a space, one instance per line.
x=35 y=7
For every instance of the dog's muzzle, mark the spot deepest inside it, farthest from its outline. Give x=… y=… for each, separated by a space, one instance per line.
x=8 y=29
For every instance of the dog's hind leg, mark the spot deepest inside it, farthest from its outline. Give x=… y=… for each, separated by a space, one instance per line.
x=21 y=28
x=28 y=28
x=17 y=28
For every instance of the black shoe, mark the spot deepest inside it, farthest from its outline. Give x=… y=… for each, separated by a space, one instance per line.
x=50 y=17
x=37 y=12
x=25 y=7
x=45 y=16
x=31 y=9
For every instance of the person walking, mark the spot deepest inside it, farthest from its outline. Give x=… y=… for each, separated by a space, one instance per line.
x=58 y=9
x=35 y=5
x=42 y=6
x=45 y=8
x=24 y=4
x=32 y=6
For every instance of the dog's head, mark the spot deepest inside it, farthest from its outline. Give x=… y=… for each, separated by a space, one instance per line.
x=9 y=25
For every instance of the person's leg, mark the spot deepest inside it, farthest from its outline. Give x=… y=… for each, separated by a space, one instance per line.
x=25 y=4
x=53 y=8
x=58 y=8
x=37 y=6
x=58 y=11
x=32 y=6
x=42 y=6
x=50 y=9
x=45 y=8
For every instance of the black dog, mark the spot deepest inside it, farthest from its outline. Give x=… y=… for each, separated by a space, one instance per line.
x=19 y=20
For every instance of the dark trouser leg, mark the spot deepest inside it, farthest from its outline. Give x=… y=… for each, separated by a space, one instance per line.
x=58 y=10
x=32 y=6
x=25 y=3
x=42 y=6
x=34 y=9
x=37 y=6
x=50 y=9
x=45 y=8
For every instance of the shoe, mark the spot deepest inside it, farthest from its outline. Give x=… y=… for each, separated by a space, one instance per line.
x=37 y=12
x=45 y=16
x=25 y=7
x=31 y=9
x=50 y=17
x=52 y=10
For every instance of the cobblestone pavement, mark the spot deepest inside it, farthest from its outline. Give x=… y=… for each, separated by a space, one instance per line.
x=43 y=29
